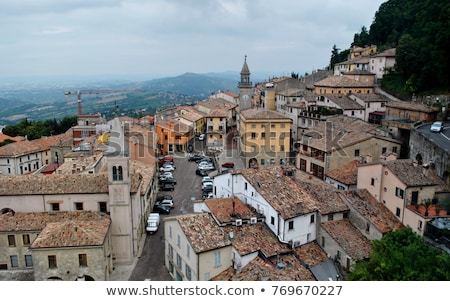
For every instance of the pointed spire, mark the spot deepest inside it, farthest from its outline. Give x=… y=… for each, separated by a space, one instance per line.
x=245 y=69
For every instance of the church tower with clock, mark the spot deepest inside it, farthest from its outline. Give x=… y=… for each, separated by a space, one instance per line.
x=245 y=88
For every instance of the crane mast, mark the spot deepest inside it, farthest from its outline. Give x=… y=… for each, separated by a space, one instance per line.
x=79 y=92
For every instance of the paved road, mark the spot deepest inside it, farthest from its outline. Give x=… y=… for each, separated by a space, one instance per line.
x=441 y=139
x=150 y=265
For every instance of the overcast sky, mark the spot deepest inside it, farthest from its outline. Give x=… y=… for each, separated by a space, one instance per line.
x=171 y=37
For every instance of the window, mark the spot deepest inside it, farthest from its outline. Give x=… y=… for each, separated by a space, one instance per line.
x=272 y=220
x=282 y=148
x=291 y=225
x=55 y=206
x=312 y=218
x=245 y=186
x=188 y=273
x=253 y=125
x=263 y=135
x=399 y=192
x=263 y=161
x=102 y=206
x=82 y=260
x=273 y=135
x=272 y=126
x=383 y=150
x=52 y=262
x=28 y=261
x=367 y=227
x=397 y=212
x=253 y=135
x=323 y=242
x=177 y=137
x=308 y=237
x=338 y=255
x=78 y=206
x=356 y=152
x=330 y=217
x=394 y=149
x=11 y=240
x=217 y=259
x=117 y=173
x=283 y=125
x=26 y=239
x=419 y=226
x=170 y=231
x=282 y=135
x=178 y=240
x=179 y=261
x=188 y=251
x=170 y=251
x=372 y=181
x=14 y=261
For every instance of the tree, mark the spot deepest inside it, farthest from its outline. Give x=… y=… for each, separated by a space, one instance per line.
x=334 y=57
x=402 y=255
x=361 y=39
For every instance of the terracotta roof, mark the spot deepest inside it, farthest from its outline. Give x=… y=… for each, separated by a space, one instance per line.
x=410 y=173
x=346 y=174
x=375 y=212
x=337 y=81
x=291 y=92
x=311 y=254
x=369 y=97
x=3 y=137
x=281 y=191
x=344 y=102
x=59 y=229
x=25 y=147
x=250 y=238
x=391 y=52
x=264 y=114
x=345 y=131
x=286 y=268
x=326 y=196
x=217 y=103
x=226 y=210
x=410 y=106
x=349 y=238
x=202 y=232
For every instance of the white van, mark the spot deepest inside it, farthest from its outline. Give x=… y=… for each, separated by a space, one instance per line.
x=153 y=221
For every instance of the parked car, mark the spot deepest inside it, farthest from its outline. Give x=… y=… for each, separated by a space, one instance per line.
x=166 y=168
x=162 y=160
x=206 y=192
x=201 y=172
x=207 y=179
x=161 y=209
x=153 y=222
x=205 y=159
x=168 y=203
x=164 y=197
x=195 y=158
x=207 y=167
x=167 y=187
x=201 y=137
x=437 y=127
x=228 y=165
x=210 y=195
x=165 y=175
x=207 y=184
x=168 y=180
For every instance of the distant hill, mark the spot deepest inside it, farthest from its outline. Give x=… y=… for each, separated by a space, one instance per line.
x=50 y=102
x=191 y=84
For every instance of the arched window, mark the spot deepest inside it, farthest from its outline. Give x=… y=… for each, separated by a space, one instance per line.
x=117 y=173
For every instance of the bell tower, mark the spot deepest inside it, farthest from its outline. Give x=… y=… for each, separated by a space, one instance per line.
x=245 y=88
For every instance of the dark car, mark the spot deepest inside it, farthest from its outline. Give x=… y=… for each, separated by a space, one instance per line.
x=228 y=165
x=195 y=158
x=161 y=209
x=168 y=180
x=205 y=159
x=201 y=172
x=167 y=187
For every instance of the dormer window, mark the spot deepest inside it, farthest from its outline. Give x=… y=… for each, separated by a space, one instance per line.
x=117 y=173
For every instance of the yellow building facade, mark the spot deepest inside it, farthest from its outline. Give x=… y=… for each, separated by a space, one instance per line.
x=264 y=138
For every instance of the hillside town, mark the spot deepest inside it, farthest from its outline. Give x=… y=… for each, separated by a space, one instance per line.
x=305 y=173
